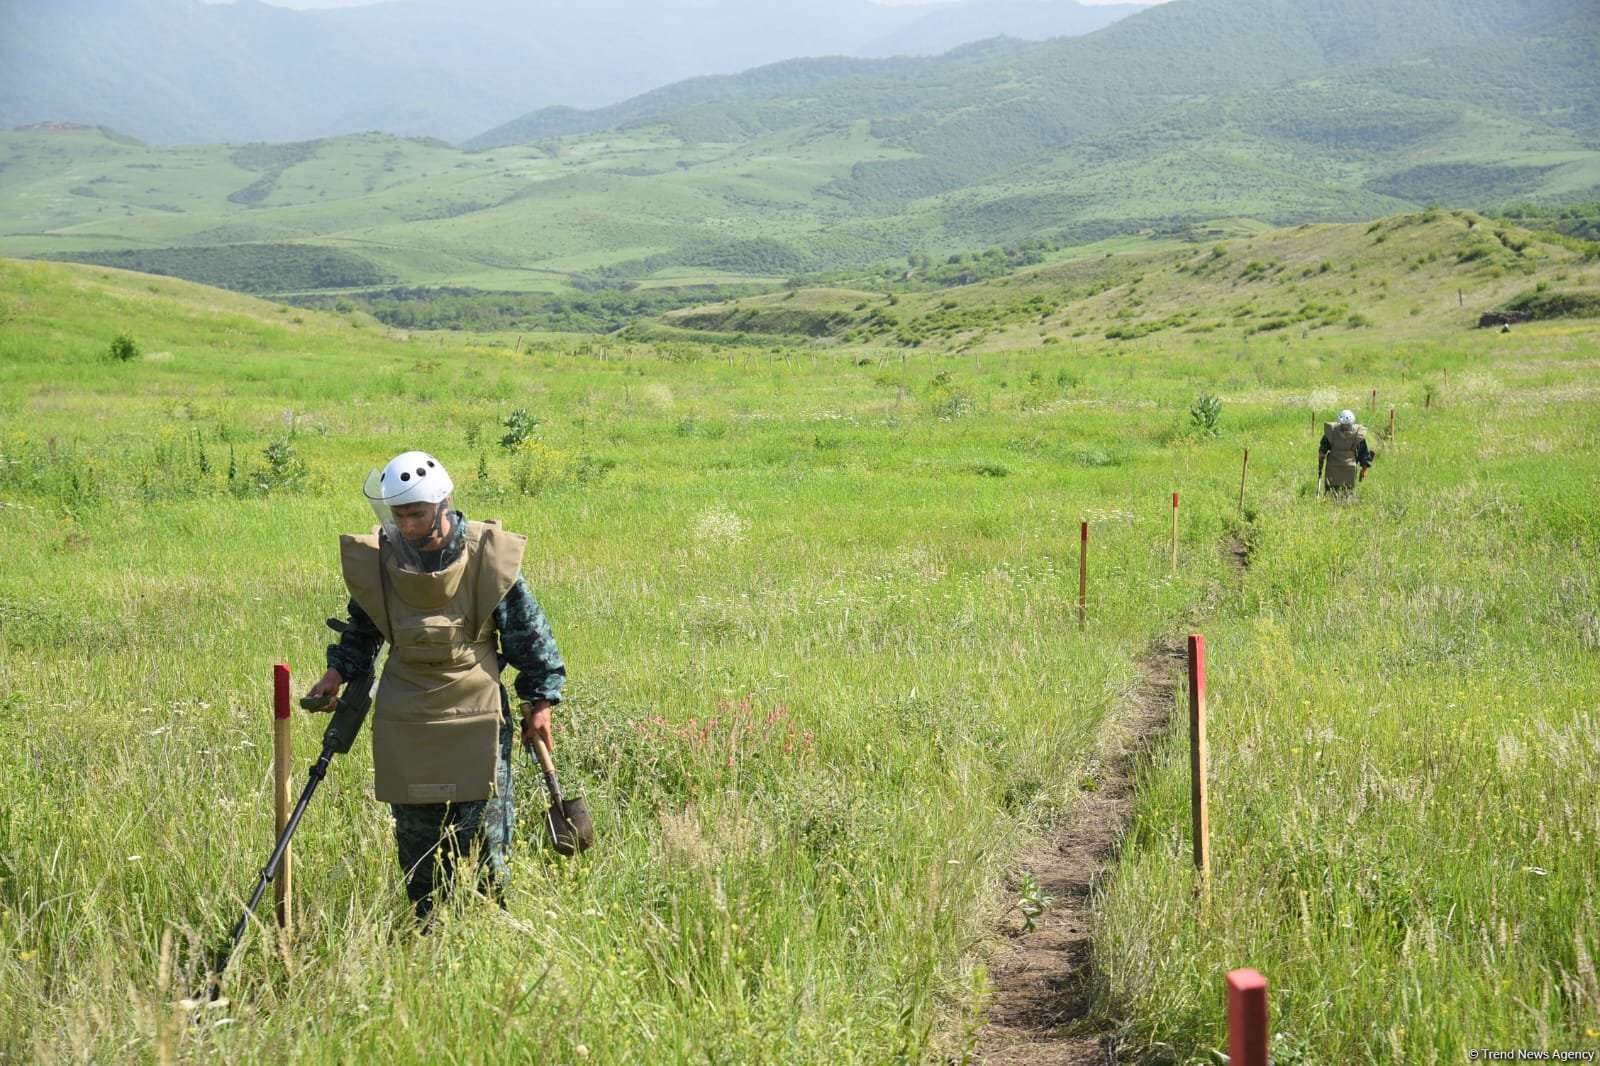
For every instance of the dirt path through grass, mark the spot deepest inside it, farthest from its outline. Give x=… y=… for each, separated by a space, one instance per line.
x=1043 y=984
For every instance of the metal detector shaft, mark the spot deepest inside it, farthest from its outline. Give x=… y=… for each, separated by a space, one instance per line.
x=349 y=714
x=319 y=770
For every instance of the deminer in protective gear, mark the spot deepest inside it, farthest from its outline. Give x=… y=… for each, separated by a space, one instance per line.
x=1343 y=457
x=447 y=596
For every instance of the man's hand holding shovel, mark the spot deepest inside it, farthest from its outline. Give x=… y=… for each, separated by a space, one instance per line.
x=567 y=817
x=536 y=723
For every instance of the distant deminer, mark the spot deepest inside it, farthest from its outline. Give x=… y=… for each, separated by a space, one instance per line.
x=1343 y=457
x=448 y=597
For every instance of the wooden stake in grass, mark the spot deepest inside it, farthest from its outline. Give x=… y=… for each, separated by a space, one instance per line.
x=1083 y=573
x=1199 y=819
x=1174 y=532
x=1391 y=424
x=1242 y=472
x=1248 y=1030
x=282 y=758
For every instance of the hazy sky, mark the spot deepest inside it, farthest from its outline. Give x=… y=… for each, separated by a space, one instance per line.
x=359 y=3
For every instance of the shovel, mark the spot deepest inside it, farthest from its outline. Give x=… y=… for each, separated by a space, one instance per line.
x=567 y=818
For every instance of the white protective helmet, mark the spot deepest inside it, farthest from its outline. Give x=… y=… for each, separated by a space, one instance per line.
x=1347 y=417
x=410 y=477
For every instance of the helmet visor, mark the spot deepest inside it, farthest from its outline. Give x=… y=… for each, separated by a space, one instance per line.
x=406 y=551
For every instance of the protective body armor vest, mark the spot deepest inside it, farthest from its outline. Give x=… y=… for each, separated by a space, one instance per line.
x=1339 y=469
x=436 y=717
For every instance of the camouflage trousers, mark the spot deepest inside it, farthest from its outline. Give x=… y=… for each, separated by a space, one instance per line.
x=433 y=839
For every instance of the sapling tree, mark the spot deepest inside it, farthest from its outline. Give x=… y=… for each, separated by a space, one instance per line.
x=1205 y=414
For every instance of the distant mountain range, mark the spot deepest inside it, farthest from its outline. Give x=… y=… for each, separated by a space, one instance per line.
x=1186 y=119
x=182 y=71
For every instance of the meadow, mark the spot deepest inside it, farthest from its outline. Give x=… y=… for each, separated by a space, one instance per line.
x=827 y=684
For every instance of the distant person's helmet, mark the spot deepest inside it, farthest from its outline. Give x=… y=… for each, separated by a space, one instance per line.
x=1347 y=418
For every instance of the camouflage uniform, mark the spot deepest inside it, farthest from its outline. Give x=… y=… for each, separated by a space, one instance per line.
x=432 y=837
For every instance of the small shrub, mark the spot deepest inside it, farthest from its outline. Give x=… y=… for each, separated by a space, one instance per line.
x=520 y=425
x=1205 y=415
x=123 y=349
x=281 y=466
x=1569 y=303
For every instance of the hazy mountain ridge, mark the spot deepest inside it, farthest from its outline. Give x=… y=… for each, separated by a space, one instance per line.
x=1162 y=123
x=182 y=71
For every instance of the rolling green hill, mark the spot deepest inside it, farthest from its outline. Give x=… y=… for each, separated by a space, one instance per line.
x=1432 y=271
x=1275 y=112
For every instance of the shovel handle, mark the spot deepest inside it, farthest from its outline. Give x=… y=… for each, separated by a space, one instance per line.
x=548 y=766
x=542 y=753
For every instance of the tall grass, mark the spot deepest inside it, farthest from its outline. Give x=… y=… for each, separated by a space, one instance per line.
x=825 y=681
x=826 y=684
x=1404 y=696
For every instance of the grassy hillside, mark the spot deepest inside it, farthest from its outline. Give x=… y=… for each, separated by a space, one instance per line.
x=827 y=682
x=1275 y=112
x=1431 y=272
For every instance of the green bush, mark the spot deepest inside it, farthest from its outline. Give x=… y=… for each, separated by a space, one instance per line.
x=520 y=425
x=1205 y=414
x=123 y=349
x=1568 y=304
x=281 y=466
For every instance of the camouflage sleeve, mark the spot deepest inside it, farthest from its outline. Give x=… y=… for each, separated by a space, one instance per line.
x=527 y=644
x=358 y=645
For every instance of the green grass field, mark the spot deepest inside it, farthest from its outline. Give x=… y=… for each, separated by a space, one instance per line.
x=827 y=683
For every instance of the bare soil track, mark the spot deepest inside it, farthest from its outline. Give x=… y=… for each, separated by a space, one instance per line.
x=1043 y=986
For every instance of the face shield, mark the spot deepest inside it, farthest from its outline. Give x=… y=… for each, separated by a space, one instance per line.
x=412 y=523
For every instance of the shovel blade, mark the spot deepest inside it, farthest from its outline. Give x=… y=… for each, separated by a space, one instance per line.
x=571 y=829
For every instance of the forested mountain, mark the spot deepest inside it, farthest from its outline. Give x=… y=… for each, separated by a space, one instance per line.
x=183 y=71
x=1188 y=118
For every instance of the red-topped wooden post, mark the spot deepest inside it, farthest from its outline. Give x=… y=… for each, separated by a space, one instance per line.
x=1083 y=573
x=282 y=757
x=1243 y=470
x=1198 y=756
x=1174 y=532
x=1248 y=1031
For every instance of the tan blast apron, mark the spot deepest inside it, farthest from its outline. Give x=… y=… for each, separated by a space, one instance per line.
x=1339 y=469
x=436 y=717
